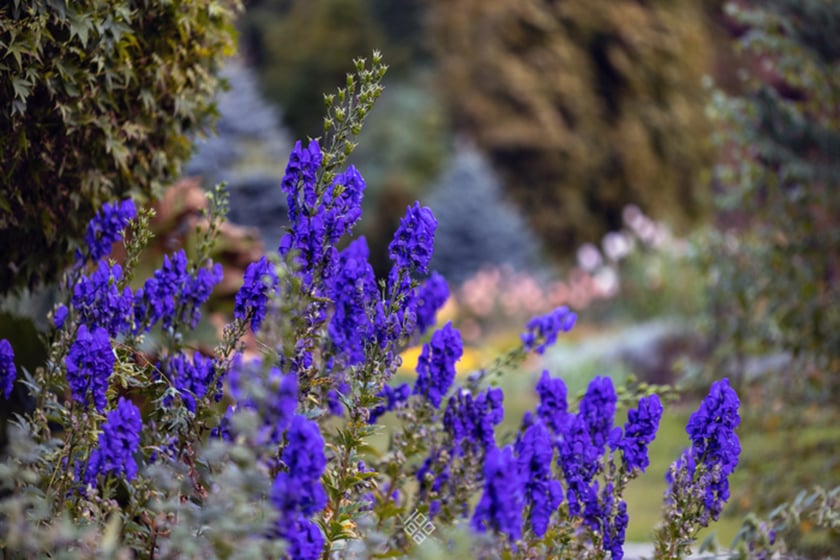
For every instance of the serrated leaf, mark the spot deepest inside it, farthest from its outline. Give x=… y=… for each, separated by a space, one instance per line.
x=80 y=27
x=22 y=88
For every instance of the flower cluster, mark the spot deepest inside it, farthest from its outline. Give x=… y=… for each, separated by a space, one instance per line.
x=392 y=397
x=105 y=229
x=173 y=294
x=354 y=296
x=639 y=432
x=259 y=284
x=714 y=443
x=297 y=493
x=542 y=331
x=598 y=411
x=319 y=219
x=474 y=419
x=553 y=409
x=192 y=378
x=118 y=442
x=100 y=303
x=90 y=362
x=412 y=246
x=544 y=494
x=503 y=498
x=436 y=365
x=431 y=296
x=8 y=373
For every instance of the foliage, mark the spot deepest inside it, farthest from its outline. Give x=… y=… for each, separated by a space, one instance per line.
x=771 y=263
x=97 y=99
x=775 y=288
x=266 y=451
x=245 y=120
x=477 y=227
x=764 y=538
x=583 y=107
x=300 y=49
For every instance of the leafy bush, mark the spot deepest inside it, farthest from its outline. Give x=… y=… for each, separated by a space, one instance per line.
x=133 y=451
x=583 y=107
x=97 y=99
x=772 y=261
x=774 y=289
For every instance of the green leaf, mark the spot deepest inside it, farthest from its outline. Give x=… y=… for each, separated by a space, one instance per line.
x=80 y=27
x=22 y=88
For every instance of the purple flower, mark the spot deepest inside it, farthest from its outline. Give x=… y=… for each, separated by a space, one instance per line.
x=615 y=532
x=90 y=362
x=473 y=419
x=118 y=442
x=300 y=177
x=105 y=229
x=639 y=432
x=278 y=410
x=534 y=452
x=197 y=290
x=354 y=294
x=8 y=373
x=260 y=283
x=306 y=542
x=714 y=443
x=431 y=296
x=542 y=331
x=60 y=316
x=343 y=204
x=99 y=302
x=712 y=428
x=436 y=365
x=191 y=378
x=598 y=410
x=156 y=300
x=553 y=409
x=500 y=507
x=297 y=493
x=393 y=396
x=413 y=243
x=579 y=459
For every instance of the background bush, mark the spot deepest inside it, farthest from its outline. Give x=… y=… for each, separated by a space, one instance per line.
x=97 y=99
x=583 y=107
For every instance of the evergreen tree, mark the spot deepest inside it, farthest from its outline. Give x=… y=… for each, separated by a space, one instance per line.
x=243 y=151
x=476 y=225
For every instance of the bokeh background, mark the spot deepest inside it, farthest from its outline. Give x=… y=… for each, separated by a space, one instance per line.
x=666 y=168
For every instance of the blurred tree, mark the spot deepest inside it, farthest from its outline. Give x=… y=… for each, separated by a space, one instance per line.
x=477 y=227
x=301 y=50
x=774 y=262
x=779 y=286
x=244 y=153
x=583 y=107
x=404 y=145
x=97 y=98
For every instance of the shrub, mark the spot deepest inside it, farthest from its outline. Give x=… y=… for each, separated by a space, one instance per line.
x=583 y=108
x=138 y=451
x=772 y=263
x=97 y=99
